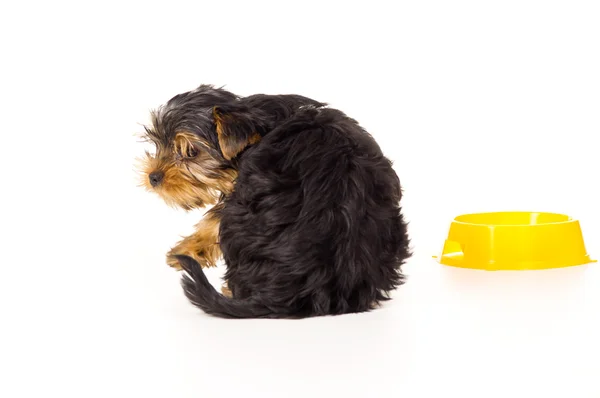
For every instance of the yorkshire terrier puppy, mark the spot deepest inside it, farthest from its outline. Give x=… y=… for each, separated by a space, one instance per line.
x=305 y=207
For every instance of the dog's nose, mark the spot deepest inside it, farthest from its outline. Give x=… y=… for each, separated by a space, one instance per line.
x=156 y=177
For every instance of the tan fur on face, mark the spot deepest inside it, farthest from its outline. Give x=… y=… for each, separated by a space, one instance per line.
x=179 y=186
x=188 y=182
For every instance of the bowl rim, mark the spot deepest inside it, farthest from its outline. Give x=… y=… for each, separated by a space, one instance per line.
x=568 y=220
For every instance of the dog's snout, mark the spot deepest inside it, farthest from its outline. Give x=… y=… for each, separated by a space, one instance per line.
x=156 y=178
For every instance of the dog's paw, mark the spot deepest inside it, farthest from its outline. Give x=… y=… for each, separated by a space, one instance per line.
x=172 y=262
x=225 y=291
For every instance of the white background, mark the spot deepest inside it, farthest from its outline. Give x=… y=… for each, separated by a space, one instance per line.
x=482 y=105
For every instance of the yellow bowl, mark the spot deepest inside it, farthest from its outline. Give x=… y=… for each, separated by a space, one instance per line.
x=514 y=241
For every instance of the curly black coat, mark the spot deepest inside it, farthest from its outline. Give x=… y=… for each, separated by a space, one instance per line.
x=314 y=224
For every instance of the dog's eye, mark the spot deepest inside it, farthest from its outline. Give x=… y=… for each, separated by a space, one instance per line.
x=185 y=147
x=187 y=153
x=192 y=152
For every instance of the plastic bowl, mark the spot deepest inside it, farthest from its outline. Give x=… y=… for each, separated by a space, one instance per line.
x=514 y=241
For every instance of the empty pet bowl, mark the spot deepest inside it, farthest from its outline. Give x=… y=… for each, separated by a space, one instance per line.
x=514 y=241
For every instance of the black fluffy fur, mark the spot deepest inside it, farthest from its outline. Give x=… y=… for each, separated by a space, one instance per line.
x=314 y=225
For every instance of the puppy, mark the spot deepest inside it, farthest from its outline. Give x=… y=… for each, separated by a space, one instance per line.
x=305 y=208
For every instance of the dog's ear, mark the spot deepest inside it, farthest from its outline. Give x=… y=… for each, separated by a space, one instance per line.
x=237 y=128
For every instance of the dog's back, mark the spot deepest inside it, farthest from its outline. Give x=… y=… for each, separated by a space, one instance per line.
x=314 y=225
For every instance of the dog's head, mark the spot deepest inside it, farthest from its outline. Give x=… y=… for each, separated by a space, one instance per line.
x=195 y=139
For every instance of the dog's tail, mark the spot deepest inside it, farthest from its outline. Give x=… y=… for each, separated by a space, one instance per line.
x=203 y=295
